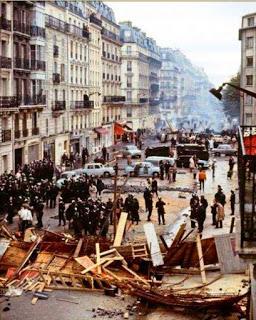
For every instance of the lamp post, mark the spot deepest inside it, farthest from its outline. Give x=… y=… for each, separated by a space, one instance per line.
x=217 y=93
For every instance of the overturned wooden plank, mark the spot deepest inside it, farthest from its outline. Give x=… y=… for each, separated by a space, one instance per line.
x=175 y=230
x=78 y=248
x=97 y=249
x=135 y=275
x=201 y=259
x=120 y=229
x=85 y=262
x=41 y=288
x=153 y=245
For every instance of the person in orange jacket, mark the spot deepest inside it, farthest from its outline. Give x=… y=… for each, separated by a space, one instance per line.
x=202 y=178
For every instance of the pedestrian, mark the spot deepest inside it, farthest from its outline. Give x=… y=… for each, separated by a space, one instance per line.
x=160 y=210
x=39 y=209
x=170 y=174
x=135 y=210
x=154 y=187
x=213 y=168
x=220 y=196
x=231 y=163
x=194 y=204
x=25 y=216
x=202 y=178
x=191 y=164
x=100 y=186
x=201 y=215
x=220 y=215
x=104 y=153
x=214 y=212
x=232 y=202
x=61 y=212
x=166 y=168
x=162 y=168
x=174 y=172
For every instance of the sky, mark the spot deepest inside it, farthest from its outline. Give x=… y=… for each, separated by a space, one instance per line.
x=206 y=32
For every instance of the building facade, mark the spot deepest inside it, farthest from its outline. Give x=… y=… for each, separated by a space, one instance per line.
x=140 y=60
x=247 y=36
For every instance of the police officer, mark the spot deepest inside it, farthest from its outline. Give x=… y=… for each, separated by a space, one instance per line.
x=61 y=212
x=160 y=210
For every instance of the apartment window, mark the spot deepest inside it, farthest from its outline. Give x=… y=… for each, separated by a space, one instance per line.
x=128 y=49
x=129 y=95
x=249 y=80
x=62 y=72
x=248 y=119
x=81 y=75
x=85 y=77
x=249 y=61
x=249 y=42
x=63 y=124
x=129 y=66
x=129 y=112
x=24 y=122
x=250 y=22
x=81 y=52
x=55 y=67
x=129 y=82
x=248 y=100
x=71 y=49
x=46 y=127
x=34 y=120
x=63 y=95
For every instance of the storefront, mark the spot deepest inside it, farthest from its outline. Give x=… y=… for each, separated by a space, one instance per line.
x=33 y=152
x=49 y=149
x=122 y=132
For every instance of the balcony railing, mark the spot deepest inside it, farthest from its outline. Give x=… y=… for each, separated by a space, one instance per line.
x=59 y=106
x=143 y=100
x=37 y=32
x=56 y=78
x=6 y=135
x=35 y=131
x=110 y=34
x=27 y=100
x=5 y=24
x=86 y=33
x=21 y=63
x=21 y=27
x=88 y=104
x=55 y=51
x=17 y=134
x=95 y=20
x=37 y=65
x=55 y=23
x=25 y=133
x=8 y=102
x=114 y=98
x=5 y=62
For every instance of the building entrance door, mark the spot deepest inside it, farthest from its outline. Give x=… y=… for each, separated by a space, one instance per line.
x=18 y=158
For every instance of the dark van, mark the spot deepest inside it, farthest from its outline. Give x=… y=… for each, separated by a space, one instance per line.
x=185 y=151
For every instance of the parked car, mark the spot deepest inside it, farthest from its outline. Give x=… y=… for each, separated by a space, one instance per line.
x=131 y=150
x=156 y=160
x=142 y=169
x=98 y=169
x=224 y=149
x=160 y=151
x=66 y=175
x=183 y=162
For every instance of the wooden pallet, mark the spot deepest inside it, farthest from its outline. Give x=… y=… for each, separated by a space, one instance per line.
x=139 y=250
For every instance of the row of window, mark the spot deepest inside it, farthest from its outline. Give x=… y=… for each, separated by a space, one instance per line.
x=111 y=77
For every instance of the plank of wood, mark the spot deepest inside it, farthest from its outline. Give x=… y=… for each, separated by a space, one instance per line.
x=201 y=259
x=152 y=241
x=135 y=275
x=97 y=248
x=85 y=262
x=103 y=253
x=120 y=229
x=66 y=300
x=78 y=248
x=93 y=266
x=34 y=299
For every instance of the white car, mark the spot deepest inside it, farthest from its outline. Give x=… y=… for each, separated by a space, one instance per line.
x=131 y=150
x=155 y=160
x=98 y=169
x=66 y=175
x=142 y=169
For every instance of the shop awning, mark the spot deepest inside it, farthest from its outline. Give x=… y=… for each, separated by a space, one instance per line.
x=101 y=131
x=122 y=128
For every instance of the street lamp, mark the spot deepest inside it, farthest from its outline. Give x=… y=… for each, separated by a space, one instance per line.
x=217 y=93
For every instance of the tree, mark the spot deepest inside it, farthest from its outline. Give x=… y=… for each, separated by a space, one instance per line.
x=231 y=98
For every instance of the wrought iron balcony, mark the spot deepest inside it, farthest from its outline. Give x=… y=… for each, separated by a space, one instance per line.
x=21 y=27
x=8 y=102
x=5 y=24
x=58 y=106
x=27 y=100
x=247 y=188
x=37 y=65
x=55 y=23
x=37 y=32
x=95 y=20
x=143 y=100
x=25 y=133
x=56 y=78
x=110 y=35
x=17 y=134
x=5 y=62
x=6 y=135
x=55 y=51
x=85 y=104
x=35 y=131
x=21 y=63
x=114 y=99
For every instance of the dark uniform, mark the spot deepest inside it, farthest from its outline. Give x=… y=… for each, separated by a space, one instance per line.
x=160 y=210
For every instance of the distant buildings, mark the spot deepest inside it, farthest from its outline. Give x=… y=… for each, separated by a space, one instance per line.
x=247 y=36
